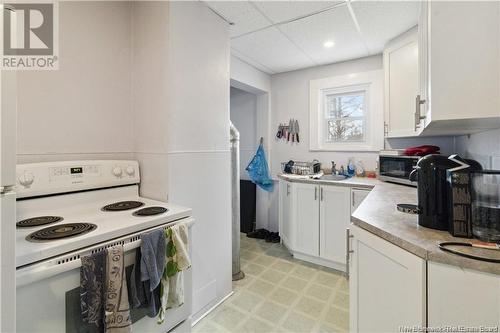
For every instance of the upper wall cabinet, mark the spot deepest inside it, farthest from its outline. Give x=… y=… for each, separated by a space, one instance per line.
x=444 y=79
x=401 y=84
x=459 y=68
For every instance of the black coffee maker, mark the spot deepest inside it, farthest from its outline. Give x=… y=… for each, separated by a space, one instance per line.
x=433 y=189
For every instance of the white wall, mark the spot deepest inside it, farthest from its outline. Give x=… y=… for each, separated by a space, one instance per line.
x=252 y=78
x=83 y=109
x=290 y=99
x=483 y=147
x=243 y=115
x=150 y=53
x=198 y=142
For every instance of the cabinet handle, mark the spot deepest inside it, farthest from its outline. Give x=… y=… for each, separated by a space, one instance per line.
x=353 y=199
x=315 y=193
x=386 y=129
x=348 y=251
x=287 y=189
x=321 y=194
x=418 y=116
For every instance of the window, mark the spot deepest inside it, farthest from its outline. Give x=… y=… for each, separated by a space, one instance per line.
x=346 y=112
x=344 y=116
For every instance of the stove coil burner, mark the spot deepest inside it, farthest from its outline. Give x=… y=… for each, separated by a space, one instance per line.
x=60 y=231
x=38 y=221
x=122 y=205
x=148 y=211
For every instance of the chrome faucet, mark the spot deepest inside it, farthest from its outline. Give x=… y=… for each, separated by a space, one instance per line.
x=334 y=168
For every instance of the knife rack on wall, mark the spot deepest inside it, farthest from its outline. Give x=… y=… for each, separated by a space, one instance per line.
x=289 y=132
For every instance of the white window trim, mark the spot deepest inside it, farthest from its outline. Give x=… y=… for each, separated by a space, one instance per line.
x=372 y=83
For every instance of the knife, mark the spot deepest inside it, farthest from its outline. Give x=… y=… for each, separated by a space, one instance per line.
x=296 y=129
x=289 y=130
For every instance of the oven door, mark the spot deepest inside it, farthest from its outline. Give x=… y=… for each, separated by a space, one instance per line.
x=397 y=168
x=48 y=298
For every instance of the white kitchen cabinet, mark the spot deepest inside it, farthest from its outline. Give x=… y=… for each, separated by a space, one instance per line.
x=462 y=297
x=401 y=67
x=387 y=285
x=459 y=67
x=334 y=218
x=357 y=197
x=286 y=223
x=313 y=219
x=306 y=211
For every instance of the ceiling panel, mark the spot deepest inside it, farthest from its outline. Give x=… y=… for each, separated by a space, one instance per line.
x=381 y=21
x=279 y=11
x=272 y=49
x=244 y=16
x=336 y=25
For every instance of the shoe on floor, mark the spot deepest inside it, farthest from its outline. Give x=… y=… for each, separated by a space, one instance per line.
x=273 y=237
x=259 y=234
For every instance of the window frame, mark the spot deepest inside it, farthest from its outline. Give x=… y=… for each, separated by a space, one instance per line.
x=371 y=82
x=364 y=90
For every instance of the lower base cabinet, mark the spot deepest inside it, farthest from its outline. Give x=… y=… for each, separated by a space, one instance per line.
x=386 y=285
x=462 y=297
x=392 y=290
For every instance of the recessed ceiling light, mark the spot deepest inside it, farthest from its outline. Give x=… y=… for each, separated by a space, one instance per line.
x=328 y=44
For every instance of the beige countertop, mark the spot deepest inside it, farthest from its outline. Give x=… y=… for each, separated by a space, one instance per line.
x=378 y=214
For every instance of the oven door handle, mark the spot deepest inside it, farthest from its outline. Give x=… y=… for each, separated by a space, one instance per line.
x=28 y=275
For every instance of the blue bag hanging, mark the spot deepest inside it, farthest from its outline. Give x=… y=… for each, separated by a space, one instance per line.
x=258 y=170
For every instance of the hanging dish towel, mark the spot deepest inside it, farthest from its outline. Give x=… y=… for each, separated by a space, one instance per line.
x=147 y=272
x=92 y=290
x=259 y=171
x=117 y=312
x=172 y=282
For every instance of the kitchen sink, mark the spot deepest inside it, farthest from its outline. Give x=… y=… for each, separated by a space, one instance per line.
x=333 y=177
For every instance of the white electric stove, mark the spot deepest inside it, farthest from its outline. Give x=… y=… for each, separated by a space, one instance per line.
x=66 y=210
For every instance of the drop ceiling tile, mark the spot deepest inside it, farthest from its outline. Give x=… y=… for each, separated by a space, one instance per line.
x=336 y=25
x=374 y=16
x=244 y=16
x=272 y=49
x=279 y=11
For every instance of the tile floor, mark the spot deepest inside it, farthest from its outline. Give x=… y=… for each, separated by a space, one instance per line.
x=280 y=294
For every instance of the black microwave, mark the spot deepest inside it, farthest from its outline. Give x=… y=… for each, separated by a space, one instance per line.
x=397 y=169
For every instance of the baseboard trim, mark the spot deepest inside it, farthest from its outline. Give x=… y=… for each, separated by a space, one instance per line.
x=319 y=261
x=212 y=308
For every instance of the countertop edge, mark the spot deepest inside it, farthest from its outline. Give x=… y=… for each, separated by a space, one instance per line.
x=350 y=182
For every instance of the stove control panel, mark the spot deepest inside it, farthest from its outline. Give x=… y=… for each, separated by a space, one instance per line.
x=38 y=179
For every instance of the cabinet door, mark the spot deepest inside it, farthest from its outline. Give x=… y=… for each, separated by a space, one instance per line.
x=386 y=285
x=423 y=68
x=451 y=287
x=306 y=208
x=357 y=197
x=285 y=215
x=401 y=84
x=335 y=216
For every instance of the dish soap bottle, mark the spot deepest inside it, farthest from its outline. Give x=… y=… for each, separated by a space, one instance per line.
x=360 y=170
x=351 y=169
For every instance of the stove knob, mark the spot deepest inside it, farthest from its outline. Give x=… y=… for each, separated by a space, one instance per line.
x=130 y=170
x=117 y=171
x=26 y=179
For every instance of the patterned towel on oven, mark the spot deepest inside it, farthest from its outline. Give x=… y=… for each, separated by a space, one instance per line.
x=117 y=309
x=92 y=290
x=172 y=282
